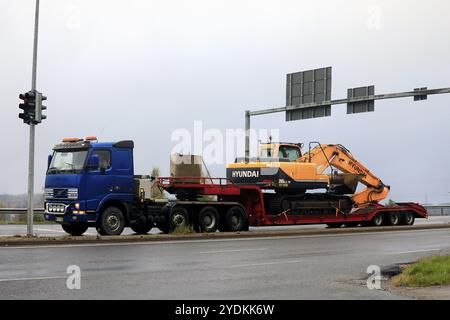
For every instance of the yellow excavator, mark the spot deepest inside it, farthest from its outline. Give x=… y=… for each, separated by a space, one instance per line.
x=289 y=174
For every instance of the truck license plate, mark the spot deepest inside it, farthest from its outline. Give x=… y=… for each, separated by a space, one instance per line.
x=59 y=219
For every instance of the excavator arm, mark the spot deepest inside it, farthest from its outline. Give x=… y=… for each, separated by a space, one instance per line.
x=337 y=156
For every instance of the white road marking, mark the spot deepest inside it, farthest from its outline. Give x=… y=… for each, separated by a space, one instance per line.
x=264 y=264
x=232 y=250
x=30 y=279
x=51 y=230
x=131 y=243
x=62 y=231
x=415 y=251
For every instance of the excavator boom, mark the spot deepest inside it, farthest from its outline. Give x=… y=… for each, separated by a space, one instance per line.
x=338 y=157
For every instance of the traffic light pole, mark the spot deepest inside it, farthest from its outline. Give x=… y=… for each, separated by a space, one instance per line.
x=30 y=213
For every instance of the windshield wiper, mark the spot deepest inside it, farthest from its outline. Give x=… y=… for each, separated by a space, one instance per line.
x=53 y=170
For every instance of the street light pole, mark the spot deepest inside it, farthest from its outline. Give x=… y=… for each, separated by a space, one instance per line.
x=30 y=213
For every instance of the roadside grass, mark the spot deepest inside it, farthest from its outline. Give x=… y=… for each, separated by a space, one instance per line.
x=433 y=271
x=184 y=229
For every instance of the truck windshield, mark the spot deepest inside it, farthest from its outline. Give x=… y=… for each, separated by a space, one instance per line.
x=67 y=161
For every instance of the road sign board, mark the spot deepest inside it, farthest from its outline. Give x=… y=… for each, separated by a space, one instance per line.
x=420 y=97
x=312 y=86
x=361 y=106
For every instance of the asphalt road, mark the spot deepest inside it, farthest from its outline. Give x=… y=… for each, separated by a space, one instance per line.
x=302 y=267
x=55 y=230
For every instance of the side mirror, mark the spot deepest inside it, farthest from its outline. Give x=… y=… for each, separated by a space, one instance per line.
x=93 y=163
x=49 y=160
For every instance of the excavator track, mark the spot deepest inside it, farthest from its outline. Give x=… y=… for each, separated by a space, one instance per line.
x=308 y=204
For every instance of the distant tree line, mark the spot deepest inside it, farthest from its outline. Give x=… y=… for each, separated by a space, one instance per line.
x=20 y=201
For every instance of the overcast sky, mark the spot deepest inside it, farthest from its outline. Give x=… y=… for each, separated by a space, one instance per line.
x=141 y=69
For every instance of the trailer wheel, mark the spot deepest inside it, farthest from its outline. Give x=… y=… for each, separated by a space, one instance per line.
x=178 y=218
x=208 y=220
x=142 y=228
x=407 y=219
x=236 y=219
x=377 y=221
x=112 y=222
x=75 y=229
x=392 y=219
x=334 y=225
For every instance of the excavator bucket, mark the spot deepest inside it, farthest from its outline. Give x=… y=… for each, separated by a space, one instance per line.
x=344 y=183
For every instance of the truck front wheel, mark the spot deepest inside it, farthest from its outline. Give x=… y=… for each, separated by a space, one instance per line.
x=75 y=229
x=112 y=222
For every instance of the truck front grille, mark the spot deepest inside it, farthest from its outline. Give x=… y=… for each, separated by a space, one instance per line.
x=61 y=193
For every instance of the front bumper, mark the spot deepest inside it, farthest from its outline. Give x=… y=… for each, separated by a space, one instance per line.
x=70 y=217
x=61 y=212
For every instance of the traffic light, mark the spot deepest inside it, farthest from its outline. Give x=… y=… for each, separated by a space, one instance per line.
x=28 y=106
x=40 y=107
x=32 y=107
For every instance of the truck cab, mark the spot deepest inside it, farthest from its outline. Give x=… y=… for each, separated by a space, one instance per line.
x=90 y=184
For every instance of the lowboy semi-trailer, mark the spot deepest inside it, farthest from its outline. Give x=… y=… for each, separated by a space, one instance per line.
x=92 y=184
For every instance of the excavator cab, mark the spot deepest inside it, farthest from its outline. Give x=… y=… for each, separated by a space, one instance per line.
x=285 y=152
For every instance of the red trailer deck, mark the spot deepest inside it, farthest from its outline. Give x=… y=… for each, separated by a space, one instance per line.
x=191 y=190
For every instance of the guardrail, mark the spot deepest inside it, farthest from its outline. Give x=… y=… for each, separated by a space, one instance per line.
x=6 y=211
x=436 y=210
x=433 y=210
x=19 y=215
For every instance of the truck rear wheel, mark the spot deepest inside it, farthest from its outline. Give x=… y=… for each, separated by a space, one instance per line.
x=236 y=219
x=208 y=220
x=112 y=222
x=75 y=229
x=407 y=219
x=179 y=218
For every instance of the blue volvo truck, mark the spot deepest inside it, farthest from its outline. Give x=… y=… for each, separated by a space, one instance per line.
x=92 y=184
